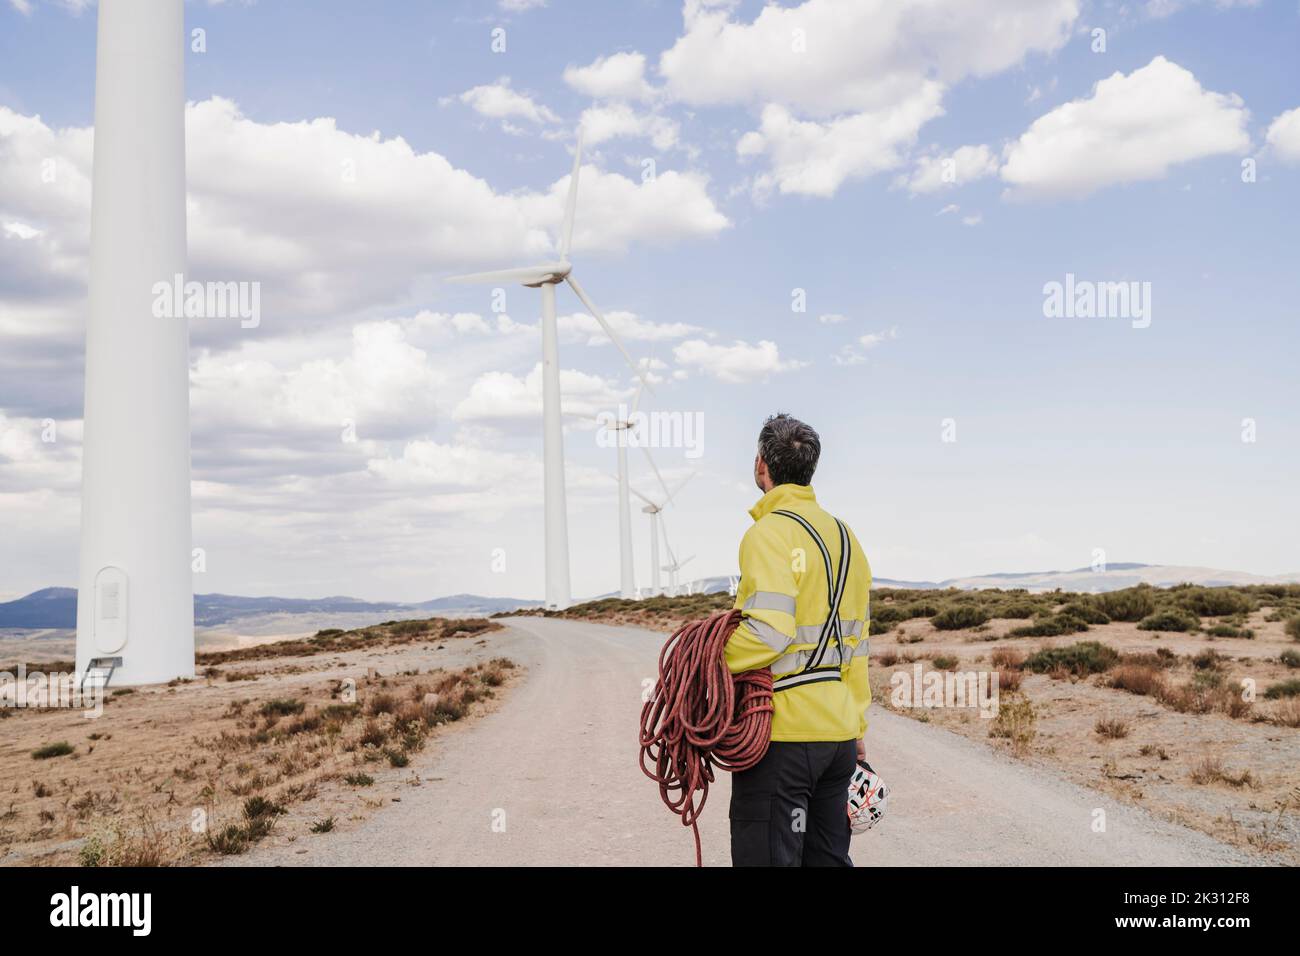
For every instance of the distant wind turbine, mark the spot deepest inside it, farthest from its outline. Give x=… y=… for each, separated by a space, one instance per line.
x=655 y=510
x=673 y=565
x=546 y=277
x=623 y=429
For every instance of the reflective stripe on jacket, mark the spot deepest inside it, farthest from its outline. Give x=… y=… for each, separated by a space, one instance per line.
x=819 y=671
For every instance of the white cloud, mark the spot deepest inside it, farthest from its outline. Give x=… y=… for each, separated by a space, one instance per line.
x=1159 y=9
x=430 y=464
x=383 y=384
x=22 y=6
x=852 y=354
x=963 y=165
x=37 y=453
x=872 y=339
x=615 y=120
x=846 y=85
x=811 y=158
x=832 y=318
x=499 y=101
x=618 y=76
x=1131 y=128
x=463 y=323
x=502 y=398
x=972 y=220
x=858 y=55
x=627 y=326
x=736 y=363
x=20 y=230
x=268 y=202
x=1283 y=136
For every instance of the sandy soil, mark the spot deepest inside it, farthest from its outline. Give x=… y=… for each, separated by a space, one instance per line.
x=158 y=755
x=551 y=777
x=1155 y=764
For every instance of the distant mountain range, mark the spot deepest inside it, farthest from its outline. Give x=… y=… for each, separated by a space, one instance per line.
x=1115 y=577
x=56 y=608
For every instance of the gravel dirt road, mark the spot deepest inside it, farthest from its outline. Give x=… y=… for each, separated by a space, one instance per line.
x=551 y=778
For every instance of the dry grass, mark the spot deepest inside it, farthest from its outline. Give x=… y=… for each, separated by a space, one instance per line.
x=164 y=758
x=1009 y=680
x=1007 y=658
x=1211 y=770
x=1141 y=679
x=1111 y=729
x=333 y=641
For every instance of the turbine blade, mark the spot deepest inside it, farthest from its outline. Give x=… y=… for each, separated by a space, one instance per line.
x=686 y=561
x=641 y=496
x=663 y=526
x=604 y=324
x=636 y=402
x=678 y=489
x=526 y=275
x=668 y=495
x=571 y=203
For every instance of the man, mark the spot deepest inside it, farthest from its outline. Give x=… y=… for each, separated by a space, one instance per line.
x=797 y=563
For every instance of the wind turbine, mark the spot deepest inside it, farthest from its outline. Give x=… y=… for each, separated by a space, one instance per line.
x=546 y=277
x=673 y=565
x=655 y=510
x=135 y=596
x=622 y=429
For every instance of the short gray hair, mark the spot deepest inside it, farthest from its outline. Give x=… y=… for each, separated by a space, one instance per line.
x=790 y=449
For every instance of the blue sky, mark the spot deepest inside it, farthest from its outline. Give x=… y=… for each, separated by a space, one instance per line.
x=799 y=172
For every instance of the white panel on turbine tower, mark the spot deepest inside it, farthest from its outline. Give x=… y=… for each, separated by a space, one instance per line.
x=136 y=591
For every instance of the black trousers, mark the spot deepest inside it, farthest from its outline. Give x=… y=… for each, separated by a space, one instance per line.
x=791 y=808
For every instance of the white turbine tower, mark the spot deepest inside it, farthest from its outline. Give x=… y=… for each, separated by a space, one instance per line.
x=623 y=429
x=655 y=510
x=546 y=277
x=673 y=565
x=135 y=599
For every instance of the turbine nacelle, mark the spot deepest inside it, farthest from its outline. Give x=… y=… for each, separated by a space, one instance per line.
x=534 y=277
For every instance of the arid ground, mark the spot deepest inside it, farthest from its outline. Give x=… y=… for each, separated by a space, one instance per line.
x=1167 y=739
x=301 y=736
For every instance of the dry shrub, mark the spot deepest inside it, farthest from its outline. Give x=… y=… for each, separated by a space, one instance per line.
x=1015 y=723
x=1211 y=770
x=1287 y=713
x=449 y=682
x=373 y=734
x=1009 y=680
x=118 y=844
x=1203 y=697
x=1111 y=729
x=1141 y=679
x=1004 y=657
x=495 y=671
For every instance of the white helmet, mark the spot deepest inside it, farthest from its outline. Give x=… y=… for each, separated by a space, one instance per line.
x=868 y=797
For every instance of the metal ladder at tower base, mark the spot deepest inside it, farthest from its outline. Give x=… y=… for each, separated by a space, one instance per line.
x=99 y=673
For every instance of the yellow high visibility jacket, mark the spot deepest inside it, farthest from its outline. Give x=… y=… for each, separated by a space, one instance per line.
x=819 y=670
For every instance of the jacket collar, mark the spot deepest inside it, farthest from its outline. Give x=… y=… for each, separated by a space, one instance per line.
x=782 y=496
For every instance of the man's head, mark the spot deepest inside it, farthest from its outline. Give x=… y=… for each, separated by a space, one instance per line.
x=787 y=453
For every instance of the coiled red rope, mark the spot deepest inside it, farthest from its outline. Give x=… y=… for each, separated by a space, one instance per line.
x=700 y=715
